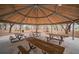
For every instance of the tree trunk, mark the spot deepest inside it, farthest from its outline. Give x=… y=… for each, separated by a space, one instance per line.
x=68 y=28
x=20 y=28
x=5 y=25
x=11 y=25
x=37 y=27
x=0 y=26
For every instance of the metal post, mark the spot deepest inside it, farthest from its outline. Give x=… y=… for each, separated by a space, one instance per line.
x=73 y=31
x=20 y=28
x=51 y=28
x=37 y=27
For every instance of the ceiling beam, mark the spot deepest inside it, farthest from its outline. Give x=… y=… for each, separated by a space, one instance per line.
x=35 y=16
x=57 y=13
x=47 y=9
x=5 y=21
x=13 y=11
x=45 y=14
x=26 y=15
x=64 y=16
x=29 y=11
x=17 y=12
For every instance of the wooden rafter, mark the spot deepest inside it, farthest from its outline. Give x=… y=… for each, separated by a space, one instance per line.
x=31 y=7
x=6 y=21
x=47 y=9
x=64 y=16
x=29 y=12
x=23 y=14
x=45 y=14
x=73 y=34
x=57 y=13
x=12 y=12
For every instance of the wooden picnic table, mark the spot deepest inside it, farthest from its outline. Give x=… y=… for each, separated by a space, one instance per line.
x=52 y=35
x=19 y=36
x=36 y=34
x=48 y=47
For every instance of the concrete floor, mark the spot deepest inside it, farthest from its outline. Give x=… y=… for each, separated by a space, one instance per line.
x=71 y=46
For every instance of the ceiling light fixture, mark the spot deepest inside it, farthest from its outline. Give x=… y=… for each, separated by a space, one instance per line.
x=59 y=4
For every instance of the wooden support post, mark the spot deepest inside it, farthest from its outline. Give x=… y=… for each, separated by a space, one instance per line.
x=73 y=31
x=20 y=28
x=36 y=28
x=51 y=28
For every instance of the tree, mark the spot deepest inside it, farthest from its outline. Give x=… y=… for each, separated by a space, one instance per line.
x=5 y=25
x=21 y=28
x=0 y=26
x=11 y=25
x=67 y=28
x=46 y=28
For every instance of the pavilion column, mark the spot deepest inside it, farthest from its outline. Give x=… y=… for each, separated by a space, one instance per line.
x=36 y=28
x=51 y=28
x=73 y=31
x=20 y=28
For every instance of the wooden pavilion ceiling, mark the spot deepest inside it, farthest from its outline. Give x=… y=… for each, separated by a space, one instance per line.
x=39 y=13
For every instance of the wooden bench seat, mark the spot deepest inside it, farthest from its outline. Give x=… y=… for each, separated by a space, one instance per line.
x=59 y=40
x=16 y=39
x=23 y=50
x=12 y=39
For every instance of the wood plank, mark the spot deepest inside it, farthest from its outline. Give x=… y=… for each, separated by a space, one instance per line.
x=23 y=50
x=48 y=47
